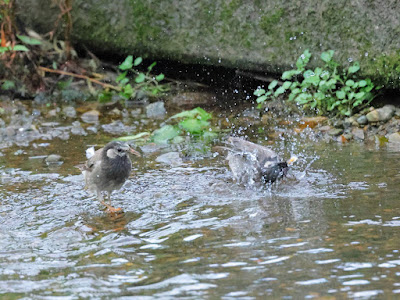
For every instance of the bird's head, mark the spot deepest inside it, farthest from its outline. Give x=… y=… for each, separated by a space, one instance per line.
x=119 y=149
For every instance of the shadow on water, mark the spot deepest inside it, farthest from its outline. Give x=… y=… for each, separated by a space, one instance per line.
x=329 y=229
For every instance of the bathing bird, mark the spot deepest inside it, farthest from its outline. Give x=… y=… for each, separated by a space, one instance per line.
x=107 y=170
x=251 y=163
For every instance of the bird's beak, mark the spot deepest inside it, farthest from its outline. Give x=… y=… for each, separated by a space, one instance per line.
x=292 y=160
x=134 y=152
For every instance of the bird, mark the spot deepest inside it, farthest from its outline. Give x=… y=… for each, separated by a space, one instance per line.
x=251 y=163
x=107 y=170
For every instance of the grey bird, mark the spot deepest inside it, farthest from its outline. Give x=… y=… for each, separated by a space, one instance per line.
x=251 y=163
x=107 y=170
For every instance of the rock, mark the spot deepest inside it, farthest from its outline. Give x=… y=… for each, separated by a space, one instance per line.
x=115 y=112
x=382 y=114
x=117 y=127
x=92 y=129
x=77 y=129
x=358 y=134
x=69 y=112
x=53 y=112
x=136 y=112
x=362 y=120
x=397 y=112
x=348 y=122
x=394 y=137
x=325 y=128
x=141 y=98
x=335 y=131
x=109 y=106
x=171 y=158
x=41 y=98
x=53 y=160
x=156 y=110
x=193 y=99
x=92 y=116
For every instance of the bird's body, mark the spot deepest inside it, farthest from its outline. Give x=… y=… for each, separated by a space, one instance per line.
x=251 y=163
x=108 y=169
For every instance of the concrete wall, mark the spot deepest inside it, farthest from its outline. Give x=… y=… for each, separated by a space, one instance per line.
x=262 y=35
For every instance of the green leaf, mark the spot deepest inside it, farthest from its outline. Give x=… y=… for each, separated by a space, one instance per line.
x=151 y=66
x=261 y=99
x=287 y=84
x=160 y=77
x=127 y=64
x=350 y=82
x=20 y=48
x=273 y=84
x=327 y=56
x=362 y=83
x=319 y=96
x=354 y=68
x=165 y=133
x=259 y=92
x=123 y=81
x=287 y=75
x=28 y=40
x=8 y=85
x=279 y=91
x=340 y=94
x=140 y=78
x=121 y=76
x=292 y=96
x=128 y=90
x=197 y=112
x=133 y=137
x=303 y=98
x=325 y=75
x=296 y=91
x=137 y=61
x=194 y=126
x=303 y=60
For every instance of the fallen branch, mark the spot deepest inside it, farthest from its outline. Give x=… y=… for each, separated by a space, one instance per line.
x=105 y=85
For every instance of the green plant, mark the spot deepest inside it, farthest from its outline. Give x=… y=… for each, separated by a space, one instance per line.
x=329 y=90
x=194 y=123
x=143 y=81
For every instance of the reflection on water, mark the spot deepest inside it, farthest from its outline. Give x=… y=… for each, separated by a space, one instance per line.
x=330 y=229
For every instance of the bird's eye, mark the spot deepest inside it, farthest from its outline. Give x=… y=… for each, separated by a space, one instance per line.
x=119 y=150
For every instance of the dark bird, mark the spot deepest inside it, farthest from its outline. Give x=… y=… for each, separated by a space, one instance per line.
x=107 y=170
x=251 y=163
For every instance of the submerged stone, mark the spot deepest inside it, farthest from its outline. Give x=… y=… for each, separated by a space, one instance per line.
x=156 y=110
x=171 y=158
x=91 y=116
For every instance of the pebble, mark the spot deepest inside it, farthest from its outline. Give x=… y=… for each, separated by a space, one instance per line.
x=156 y=110
x=171 y=158
x=362 y=120
x=335 y=131
x=92 y=116
x=358 y=134
x=69 y=112
x=53 y=158
x=382 y=114
x=394 y=137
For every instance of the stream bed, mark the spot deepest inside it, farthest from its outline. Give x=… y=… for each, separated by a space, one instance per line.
x=190 y=232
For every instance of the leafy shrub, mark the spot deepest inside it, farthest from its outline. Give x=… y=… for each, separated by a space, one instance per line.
x=143 y=81
x=327 y=90
x=194 y=123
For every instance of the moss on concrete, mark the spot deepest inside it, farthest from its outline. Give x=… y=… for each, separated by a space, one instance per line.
x=261 y=35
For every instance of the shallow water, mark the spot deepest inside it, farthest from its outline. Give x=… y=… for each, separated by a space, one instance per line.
x=329 y=230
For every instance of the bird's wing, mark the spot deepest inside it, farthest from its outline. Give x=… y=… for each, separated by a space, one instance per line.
x=93 y=161
x=262 y=152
